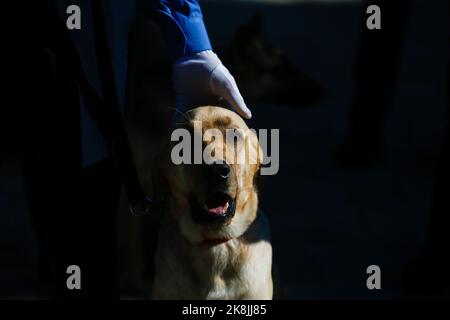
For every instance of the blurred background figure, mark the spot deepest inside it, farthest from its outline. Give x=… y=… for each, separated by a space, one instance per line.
x=376 y=70
x=427 y=274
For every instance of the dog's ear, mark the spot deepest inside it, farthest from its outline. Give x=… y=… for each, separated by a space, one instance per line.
x=255 y=156
x=254 y=26
x=248 y=32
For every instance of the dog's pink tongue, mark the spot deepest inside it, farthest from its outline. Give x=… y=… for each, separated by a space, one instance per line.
x=220 y=209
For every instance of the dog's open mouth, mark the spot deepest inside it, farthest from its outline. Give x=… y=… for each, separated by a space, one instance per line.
x=219 y=209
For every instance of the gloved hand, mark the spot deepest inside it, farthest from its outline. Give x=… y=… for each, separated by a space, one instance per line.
x=201 y=78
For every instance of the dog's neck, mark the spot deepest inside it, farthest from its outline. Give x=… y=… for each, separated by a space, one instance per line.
x=212 y=263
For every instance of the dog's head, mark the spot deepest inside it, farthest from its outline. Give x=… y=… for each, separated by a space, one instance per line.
x=213 y=197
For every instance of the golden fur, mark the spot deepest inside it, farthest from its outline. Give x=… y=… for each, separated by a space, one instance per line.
x=187 y=267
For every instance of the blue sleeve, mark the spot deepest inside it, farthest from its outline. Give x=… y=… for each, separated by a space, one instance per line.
x=181 y=22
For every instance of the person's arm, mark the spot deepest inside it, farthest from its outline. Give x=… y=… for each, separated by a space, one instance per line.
x=183 y=29
x=198 y=74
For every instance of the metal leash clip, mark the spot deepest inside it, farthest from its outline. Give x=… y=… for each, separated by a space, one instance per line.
x=143 y=207
x=149 y=207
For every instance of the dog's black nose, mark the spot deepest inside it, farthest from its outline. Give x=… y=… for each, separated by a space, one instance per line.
x=221 y=171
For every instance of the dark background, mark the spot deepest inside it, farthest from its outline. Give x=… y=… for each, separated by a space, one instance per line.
x=329 y=221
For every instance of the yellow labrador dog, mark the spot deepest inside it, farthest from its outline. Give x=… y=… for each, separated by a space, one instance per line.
x=213 y=242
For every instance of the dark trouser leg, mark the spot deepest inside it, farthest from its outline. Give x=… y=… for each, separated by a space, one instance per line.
x=52 y=164
x=79 y=228
x=89 y=235
x=376 y=70
x=436 y=247
x=429 y=273
x=73 y=209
